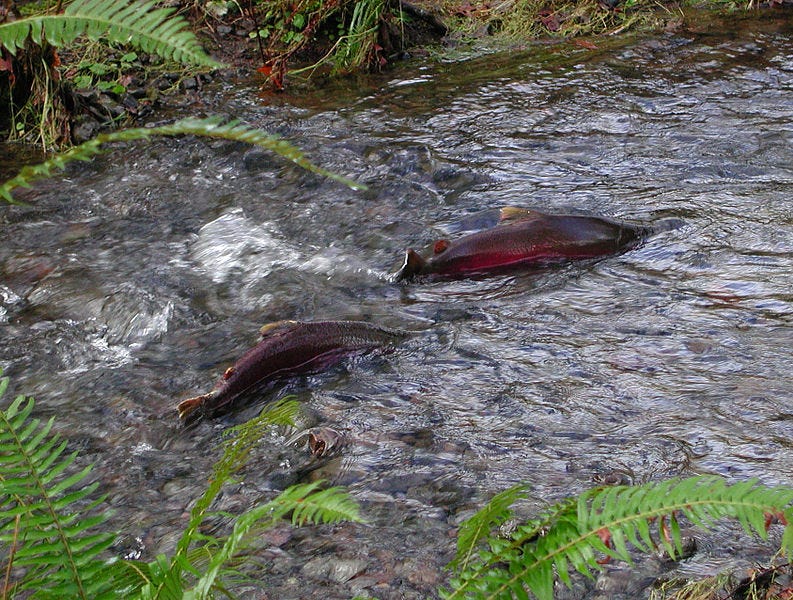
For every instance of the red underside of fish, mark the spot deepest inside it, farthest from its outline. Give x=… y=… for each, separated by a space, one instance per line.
x=541 y=239
x=495 y=260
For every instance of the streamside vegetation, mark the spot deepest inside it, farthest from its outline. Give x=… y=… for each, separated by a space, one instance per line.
x=212 y=127
x=61 y=59
x=36 y=102
x=54 y=542
x=297 y=37
x=34 y=97
x=611 y=523
x=111 y=43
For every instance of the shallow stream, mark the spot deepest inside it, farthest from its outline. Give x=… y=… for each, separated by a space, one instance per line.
x=133 y=282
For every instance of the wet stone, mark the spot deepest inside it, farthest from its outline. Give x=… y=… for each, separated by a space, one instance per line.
x=613 y=478
x=163 y=83
x=336 y=569
x=257 y=160
x=277 y=536
x=421 y=574
x=129 y=102
x=189 y=83
x=85 y=130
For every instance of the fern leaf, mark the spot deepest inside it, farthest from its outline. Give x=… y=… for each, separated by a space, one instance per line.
x=493 y=514
x=281 y=412
x=53 y=538
x=574 y=532
x=140 y=24
x=237 y=446
x=326 y=506
x=211 y=127
x=165 y=579
x=305 y=503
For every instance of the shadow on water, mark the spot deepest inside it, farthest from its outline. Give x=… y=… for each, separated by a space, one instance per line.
x=133 y=282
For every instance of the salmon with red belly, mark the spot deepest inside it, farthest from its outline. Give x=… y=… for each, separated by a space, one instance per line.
x=524 y=238
x=288 y=349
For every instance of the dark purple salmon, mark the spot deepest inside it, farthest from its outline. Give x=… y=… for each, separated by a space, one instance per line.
x=289 y=348
x=524 y=237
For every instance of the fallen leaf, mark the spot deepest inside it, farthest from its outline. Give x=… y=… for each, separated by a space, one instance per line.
x=585 y=44
x=550 y=20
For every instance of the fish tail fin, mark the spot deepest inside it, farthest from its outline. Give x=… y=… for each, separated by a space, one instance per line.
x=413 y=265
x=666 y=224
x=188 y=408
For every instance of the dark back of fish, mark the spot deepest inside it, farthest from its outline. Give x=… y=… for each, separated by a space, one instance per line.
x=298 y=348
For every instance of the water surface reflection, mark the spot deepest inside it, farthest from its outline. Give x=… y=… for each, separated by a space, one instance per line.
x=133 y=282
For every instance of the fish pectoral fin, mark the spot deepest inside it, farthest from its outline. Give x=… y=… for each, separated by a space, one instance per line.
x=516 y=213
x=413 y=265
x=188 y=408
x=274 y=327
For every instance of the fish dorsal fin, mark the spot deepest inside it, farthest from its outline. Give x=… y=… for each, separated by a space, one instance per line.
x=275 y=327
x=516 y=213
x=440 y=246
x=413 y=265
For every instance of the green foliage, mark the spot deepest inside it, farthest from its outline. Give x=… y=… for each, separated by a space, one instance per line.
x=237 y=446
x=104 y=73
x=49 y=529
x=605 y=521
x=348 y=30
x=211 y=127
x=520 y=20
x=139 y=24
x=352 y=24
x=355 y=47
x=205 y=558
x=38 y=107
x=46 y=510
x=491 y=516
x=304 y=502
x=284 y=23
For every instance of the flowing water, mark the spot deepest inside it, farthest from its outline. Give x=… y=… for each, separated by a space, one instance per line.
x=134 y=281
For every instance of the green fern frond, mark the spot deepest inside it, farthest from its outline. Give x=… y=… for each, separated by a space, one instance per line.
x=140 y=24
x=604 y=521
x=44 y=508
x=213 y=555
x=237 y=446
x=212 y=127
x=491 y=516
x=306 y=504
x=325 y=506
x=282 y=412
